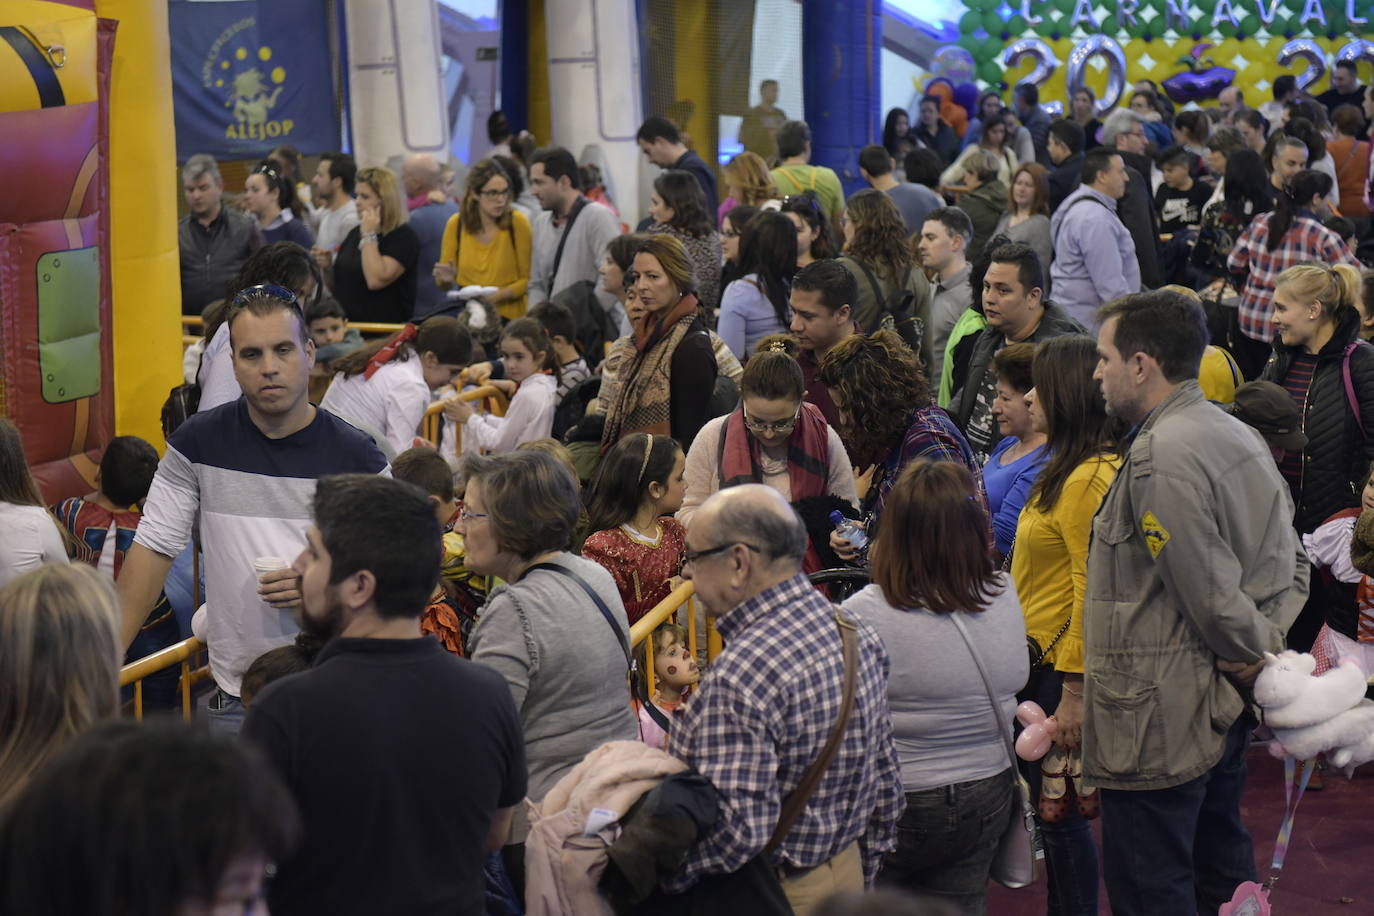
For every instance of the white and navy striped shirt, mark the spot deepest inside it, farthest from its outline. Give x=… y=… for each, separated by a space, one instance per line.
x=253 y=495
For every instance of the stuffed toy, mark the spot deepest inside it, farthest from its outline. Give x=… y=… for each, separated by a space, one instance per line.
x=1344 y=731
x=1292 y=698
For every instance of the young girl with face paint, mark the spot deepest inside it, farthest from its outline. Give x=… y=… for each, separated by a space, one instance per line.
x=629 y=510
x=674 y=671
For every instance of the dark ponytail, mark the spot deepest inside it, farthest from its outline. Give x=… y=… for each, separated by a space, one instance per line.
x=1296 y=196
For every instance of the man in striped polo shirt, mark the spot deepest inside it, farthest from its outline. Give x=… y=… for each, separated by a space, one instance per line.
x=248 y=469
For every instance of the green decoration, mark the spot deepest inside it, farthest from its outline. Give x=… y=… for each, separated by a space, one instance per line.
x=990 y=71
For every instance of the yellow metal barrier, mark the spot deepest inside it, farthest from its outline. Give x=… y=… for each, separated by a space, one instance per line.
x=496 y=404
x=182 y=653
x=664 y=612
x=191 y=324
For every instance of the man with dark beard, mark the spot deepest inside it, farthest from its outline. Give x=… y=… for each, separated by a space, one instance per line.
x=390 y=742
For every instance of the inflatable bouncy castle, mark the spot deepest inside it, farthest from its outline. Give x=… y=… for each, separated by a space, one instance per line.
x=58 y=274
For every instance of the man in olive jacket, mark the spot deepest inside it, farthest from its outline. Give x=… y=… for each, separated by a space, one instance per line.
x=1193 y=573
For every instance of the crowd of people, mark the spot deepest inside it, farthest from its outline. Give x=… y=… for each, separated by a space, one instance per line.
x=1080 y=401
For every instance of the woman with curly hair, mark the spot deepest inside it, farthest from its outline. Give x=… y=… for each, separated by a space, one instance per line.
x=677 y=207
x=748 y=184
x=815 y=240
x=888 y=419
x=877 y=253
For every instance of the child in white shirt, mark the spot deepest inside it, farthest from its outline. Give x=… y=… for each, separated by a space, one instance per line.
x=532 y=375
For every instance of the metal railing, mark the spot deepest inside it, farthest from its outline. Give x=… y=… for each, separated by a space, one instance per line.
x=190 y=324
x=182 y=653
x=664 y=612
x=496 y=403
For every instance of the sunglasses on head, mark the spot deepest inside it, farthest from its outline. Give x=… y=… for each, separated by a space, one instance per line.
x=264 y=291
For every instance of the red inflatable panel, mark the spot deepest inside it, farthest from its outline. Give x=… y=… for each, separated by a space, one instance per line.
x=56 y=361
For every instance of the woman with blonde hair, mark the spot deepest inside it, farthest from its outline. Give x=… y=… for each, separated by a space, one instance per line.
x=487 y=243
x=665 y=380
x=1331 y=379
x=373 y=276
x=59 y=665
x=1027 y=219
x=748 y=183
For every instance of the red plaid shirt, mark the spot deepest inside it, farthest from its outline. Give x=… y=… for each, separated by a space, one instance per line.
x=1305 y=240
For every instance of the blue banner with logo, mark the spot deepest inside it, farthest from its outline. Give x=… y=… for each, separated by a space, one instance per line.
x=248 y=76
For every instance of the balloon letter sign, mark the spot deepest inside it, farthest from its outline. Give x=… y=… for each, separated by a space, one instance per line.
x=1308 y=50
x=1045 y=65
x=1116 y=69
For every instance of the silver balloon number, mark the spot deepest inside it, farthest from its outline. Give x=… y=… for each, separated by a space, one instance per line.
x=1085 y=50
x=1308 y=50
x=1045 y=65
x=1356 y=51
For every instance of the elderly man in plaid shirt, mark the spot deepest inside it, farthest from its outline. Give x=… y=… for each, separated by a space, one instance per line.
x=767 y=705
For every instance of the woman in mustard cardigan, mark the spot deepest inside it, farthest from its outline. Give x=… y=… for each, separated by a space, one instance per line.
x=487 y=243
x=1049 y=562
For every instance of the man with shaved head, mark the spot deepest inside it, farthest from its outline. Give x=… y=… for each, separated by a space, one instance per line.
x=430 y=210
x=769 y=702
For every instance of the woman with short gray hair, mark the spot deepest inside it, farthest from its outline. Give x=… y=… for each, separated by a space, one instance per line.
x=556 y=630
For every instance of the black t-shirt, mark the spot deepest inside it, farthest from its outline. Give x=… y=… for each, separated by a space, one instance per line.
x=1180 y=209
x=393 y=303
x=399 y=755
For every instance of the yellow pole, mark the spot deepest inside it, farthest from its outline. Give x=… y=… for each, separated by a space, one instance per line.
x=540 y=112
x=145 y=277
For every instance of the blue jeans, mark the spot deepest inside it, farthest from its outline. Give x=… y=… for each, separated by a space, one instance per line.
x=225 y=712
x=1183 y=849
x=945 y=843
x=1070 y=848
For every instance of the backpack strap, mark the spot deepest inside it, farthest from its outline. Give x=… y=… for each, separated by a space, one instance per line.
x=1350 y=397
x=1073 y=203
x=877 y=290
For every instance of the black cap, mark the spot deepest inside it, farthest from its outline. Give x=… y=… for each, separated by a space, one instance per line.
x=1272 y=411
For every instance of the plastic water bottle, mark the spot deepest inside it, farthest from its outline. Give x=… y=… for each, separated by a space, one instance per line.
x=850 y=530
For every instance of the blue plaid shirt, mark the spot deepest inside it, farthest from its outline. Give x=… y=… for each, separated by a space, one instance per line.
x=761 y=716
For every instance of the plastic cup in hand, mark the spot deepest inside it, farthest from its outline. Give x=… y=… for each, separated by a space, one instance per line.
x=264 y=565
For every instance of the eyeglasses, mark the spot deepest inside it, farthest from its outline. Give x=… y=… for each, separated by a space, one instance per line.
x=495 y=195
x=464 y=516
x=264 y=291
x=693 y=556
x=776 y=426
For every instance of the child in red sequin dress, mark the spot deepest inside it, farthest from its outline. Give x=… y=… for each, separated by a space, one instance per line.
x=638 y=488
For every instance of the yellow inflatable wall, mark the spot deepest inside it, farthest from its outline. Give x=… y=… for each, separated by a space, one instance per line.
x=146 y=278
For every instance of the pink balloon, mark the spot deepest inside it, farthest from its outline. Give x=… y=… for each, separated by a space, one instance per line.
x=1029 y=713
x=1033 y=742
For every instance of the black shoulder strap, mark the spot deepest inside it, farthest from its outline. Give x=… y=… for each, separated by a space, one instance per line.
x=642 y=694
x=1075 y=202
x=591 y=593
x=567 y=231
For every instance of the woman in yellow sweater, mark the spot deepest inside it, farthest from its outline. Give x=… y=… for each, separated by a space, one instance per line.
x=1049 y=563
x=487 y=243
